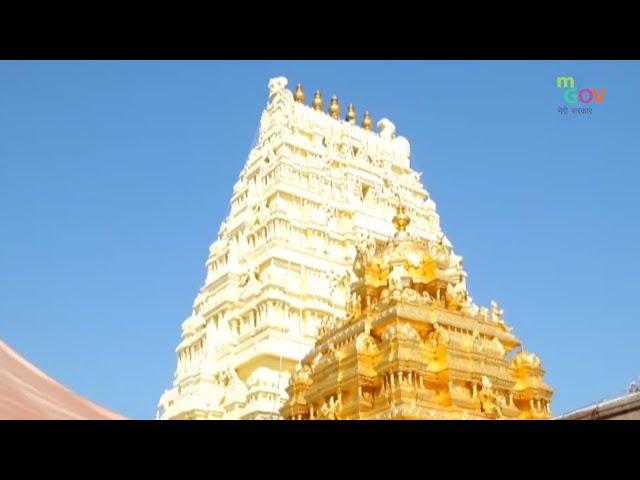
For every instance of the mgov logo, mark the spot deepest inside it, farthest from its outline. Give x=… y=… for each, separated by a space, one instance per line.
x=573 y=95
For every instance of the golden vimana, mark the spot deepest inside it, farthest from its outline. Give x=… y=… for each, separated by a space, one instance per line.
x=412 y=346
x=332 y=292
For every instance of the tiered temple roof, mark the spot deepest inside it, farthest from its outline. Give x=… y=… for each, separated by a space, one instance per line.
x=413 y=345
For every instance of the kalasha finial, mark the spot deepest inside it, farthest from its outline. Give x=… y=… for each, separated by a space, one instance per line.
x=334 y=107
x=317 y=103
x=351 y=114
x=367 y=122
x=299 y=95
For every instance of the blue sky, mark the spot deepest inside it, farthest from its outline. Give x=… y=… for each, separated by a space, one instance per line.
x=115 y=176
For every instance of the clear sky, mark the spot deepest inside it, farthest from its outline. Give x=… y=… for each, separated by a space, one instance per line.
x=115 y=176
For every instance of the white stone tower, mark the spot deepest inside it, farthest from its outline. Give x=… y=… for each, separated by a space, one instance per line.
x=314 y=188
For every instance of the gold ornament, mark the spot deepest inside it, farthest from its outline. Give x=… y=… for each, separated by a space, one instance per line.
x=317 y=103
x=334 y=107
x=299 y=95
x=367 y=122
x=401 y=219
x=351 y=114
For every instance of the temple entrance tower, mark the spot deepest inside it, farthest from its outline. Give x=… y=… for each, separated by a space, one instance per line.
x=316 y=184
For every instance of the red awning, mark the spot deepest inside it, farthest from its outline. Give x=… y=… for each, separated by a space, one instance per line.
x=27 y=393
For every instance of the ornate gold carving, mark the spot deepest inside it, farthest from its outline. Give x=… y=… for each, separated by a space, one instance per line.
x=408 y=277
x=489 y=403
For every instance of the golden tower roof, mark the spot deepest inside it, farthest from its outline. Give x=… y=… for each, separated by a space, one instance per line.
x=413 y=345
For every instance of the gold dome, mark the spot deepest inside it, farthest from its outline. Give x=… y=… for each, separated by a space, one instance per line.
x=317 y=102
x=351 y=114
x=299 y=95
x=403 y=257
x=528 y=359
x=367 y=122
x=334 y=107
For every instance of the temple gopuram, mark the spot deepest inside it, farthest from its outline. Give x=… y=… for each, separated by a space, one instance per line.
x=332 y=292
